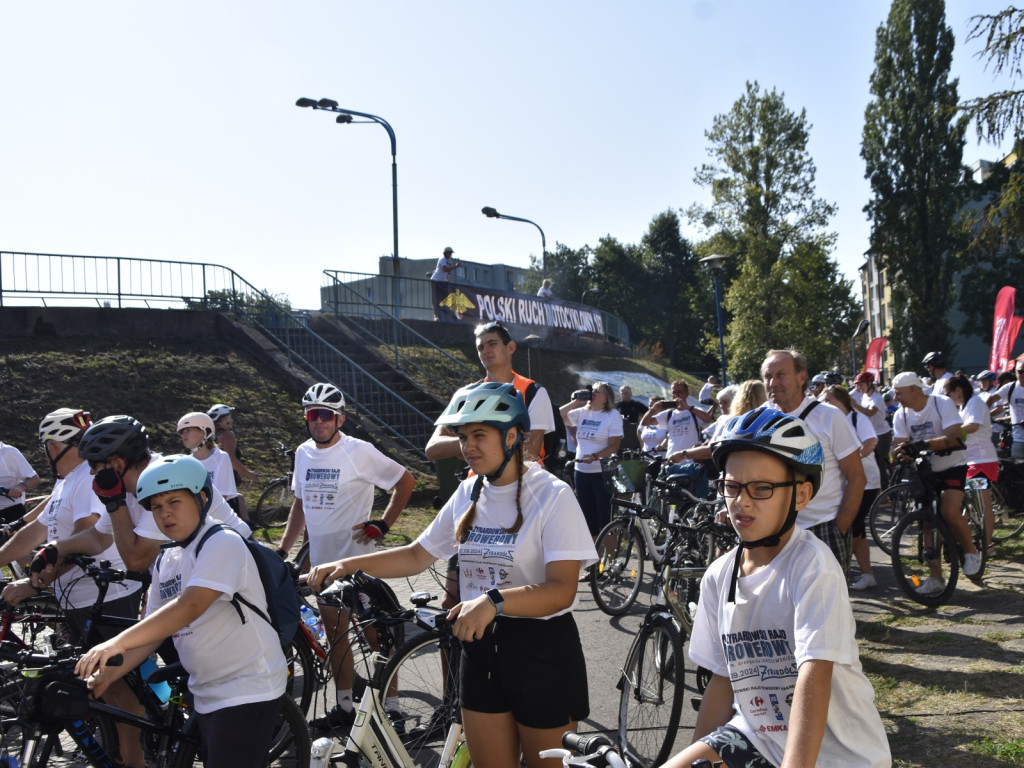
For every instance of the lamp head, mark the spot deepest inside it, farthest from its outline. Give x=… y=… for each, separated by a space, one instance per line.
x=304 y=102
x=327 y=104
x=714 y=262
x=490 y=212
x=344 y=118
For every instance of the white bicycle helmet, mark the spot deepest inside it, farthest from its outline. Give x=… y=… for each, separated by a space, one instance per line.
x=324 y=395
x=65 y=425
x=197 y=419
x=219 y=410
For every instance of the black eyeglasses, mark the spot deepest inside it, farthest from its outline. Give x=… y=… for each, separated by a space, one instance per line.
x=756 y=489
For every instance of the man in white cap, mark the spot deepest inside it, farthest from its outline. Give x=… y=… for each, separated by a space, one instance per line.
x=440 y=277
x=933 y=423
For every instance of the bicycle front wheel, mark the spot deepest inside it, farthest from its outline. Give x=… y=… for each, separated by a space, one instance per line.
x=616 y=578
x=925 y=558
x=886 y=510
x=652 y=693
x=274 y=505
x=420 y=688
x=1009 y=521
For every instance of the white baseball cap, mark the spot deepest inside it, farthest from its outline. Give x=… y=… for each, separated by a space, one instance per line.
x=907 y=379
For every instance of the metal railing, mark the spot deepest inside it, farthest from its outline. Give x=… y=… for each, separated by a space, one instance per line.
x=415 y=299
x=28 y=278
x=414 y=353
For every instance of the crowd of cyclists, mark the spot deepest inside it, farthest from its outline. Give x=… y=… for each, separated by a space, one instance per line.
x=798 y=460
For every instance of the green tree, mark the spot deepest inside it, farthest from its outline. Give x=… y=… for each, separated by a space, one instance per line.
x=781 y=286
x=913 y=153
x=569 y=270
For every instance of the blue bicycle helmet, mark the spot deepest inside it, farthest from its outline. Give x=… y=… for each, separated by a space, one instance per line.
x=171 y=473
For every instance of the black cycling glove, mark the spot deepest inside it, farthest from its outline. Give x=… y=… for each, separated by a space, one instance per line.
x=47 y=555
x=376 y=529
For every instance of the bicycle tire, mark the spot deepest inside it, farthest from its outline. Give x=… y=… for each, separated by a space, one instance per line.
x=1009 y=521
x=275 y=504
x=291 y=739
x=302 y=673
x=914 y=547
x=616 y=578
x=426 y=689
x=652 y=690
x=886 y=510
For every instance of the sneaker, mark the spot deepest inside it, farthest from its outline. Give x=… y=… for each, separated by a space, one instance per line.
x=866 y=581
x=336 y=719
x=930 y=586
x=972 y=563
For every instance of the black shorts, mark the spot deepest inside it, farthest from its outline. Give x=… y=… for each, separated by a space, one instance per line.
x=952 y=479
x=239 y=735
x=533 y=668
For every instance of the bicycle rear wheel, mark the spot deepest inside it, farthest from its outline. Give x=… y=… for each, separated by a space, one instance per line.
x=919 y=544
x=972 y=512
x=886 y=510
x=422 y=679
x=274 y=505
x=652 y=691
x=1009 y=520
x=616 y=578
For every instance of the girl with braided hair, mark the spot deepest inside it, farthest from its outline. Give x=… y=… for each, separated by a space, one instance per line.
x=521 y=540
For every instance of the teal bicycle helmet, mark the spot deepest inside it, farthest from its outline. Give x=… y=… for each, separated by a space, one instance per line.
x=171 y=473
x=492 y=403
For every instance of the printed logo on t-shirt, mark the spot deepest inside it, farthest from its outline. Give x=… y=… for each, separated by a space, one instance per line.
x=316 y=474
x=588 y=428
x=486 y=557
x=170 y=589
x=922 y=431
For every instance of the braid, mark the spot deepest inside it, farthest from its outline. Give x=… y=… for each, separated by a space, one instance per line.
x=465 y=523
x=520 y=470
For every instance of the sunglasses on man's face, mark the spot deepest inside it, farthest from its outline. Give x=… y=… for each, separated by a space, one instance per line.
x=319 y=414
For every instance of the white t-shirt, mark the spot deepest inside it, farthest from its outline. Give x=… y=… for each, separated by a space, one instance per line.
x=1014 y=404
x=939 y=385
x=794 y=610
x=229 y=662
x=865 y=431
x=707 y=392
x=681 y=427
x=544 y=293
x=222 y=476
x=878 y=421
x=838 y=440
x=14 y=468
x=336 y=485
x=553 y=529
x=717 y=426
x=444 y=263
x=939 y=413
x=594 y=430
x=73 y=499
x=651 y=436
x=979 y=443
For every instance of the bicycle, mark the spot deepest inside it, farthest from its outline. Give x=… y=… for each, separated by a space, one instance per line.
x=892 y=504
x=1008 y=501
x=275 y=502
x=634 y=535
x=593 y=752
x=652 y=681
x=426 y=728
x=923 y=545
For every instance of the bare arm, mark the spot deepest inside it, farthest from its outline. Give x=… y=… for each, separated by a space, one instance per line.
x=385 y=564
x=443 y=444
x=22 y=544
x=715 y=707
x=296 y=525
x=809 y=715
x=399 y=498
x=137 y=552
x=853 y=471
x=229 y=444
x=704 y=416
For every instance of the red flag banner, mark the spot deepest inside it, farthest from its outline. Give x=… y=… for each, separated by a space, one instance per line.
x=873 y=360
x=1002 y=325
x=1015 y=331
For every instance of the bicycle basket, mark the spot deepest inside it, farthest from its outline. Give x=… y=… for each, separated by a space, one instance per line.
x=616 y=479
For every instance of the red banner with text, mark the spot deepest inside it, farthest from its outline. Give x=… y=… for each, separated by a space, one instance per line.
x=1002 y=330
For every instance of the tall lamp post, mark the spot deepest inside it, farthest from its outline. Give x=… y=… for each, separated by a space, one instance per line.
x=493 y=214
x=345 y=117
x=714 y=262
x=853 y=343
x=584 y=294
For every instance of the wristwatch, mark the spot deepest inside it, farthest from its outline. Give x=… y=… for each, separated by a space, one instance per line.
x=498 y=601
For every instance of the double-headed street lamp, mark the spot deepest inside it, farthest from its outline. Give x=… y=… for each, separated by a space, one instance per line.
x=493 y=214
x=345 y=116
x=715 y=262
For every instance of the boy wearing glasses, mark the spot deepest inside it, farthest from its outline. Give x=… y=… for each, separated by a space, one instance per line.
x=333 y=484
x=774 y=623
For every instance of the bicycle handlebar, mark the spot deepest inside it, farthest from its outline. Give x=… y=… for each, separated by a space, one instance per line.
x=594 y=750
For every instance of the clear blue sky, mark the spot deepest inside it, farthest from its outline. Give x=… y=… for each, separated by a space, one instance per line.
x=168 y=130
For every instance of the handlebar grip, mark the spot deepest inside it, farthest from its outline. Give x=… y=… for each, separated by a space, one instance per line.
x=584 y=745
x=115 y=661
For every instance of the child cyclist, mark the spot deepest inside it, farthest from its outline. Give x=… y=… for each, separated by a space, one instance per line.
x=774 y=623
x=197 y=432
x=237 y=671
x=521 y=540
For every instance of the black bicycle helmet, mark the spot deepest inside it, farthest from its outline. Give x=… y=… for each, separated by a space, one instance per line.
x=115 y=436
x=936 y=359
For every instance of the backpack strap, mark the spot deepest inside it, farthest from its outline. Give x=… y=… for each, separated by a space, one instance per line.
x=237 y=597
x=803 y=414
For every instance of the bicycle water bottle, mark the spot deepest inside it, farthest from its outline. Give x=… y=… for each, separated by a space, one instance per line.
x=162 y=690
x=312 y=621
x=6 y=761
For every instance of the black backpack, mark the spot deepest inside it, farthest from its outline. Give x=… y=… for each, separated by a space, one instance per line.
x=278 y=585
x=554 y=440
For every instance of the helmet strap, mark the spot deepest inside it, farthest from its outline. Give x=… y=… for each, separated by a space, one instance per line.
x=53 y=462
x=767 y=541
x=510 y=451
x=204 y=509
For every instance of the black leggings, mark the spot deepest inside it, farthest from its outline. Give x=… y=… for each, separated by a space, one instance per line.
x=240 y=735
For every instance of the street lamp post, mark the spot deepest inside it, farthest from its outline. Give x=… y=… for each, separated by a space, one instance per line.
x=345 y=117
x=493 y=214
x=853 y=343
x=584 y=294
x=714 y=262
